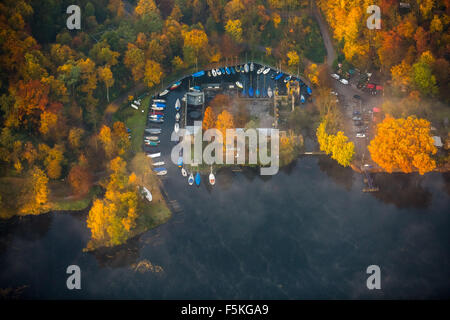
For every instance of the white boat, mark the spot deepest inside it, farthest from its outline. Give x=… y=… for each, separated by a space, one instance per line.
x=246 y=69
x=154 y=155
x=209 y=73
x=152 y=138
x=183 y=172
x=191 y=179
x=239 y=85
x=164 y=93
x=218 y=72
x=153 y=130
x=212 y=178
x=269 y=92
x=159 y=163
x=147 y=193
x=177 y=116
x=137 y=102
x=252 y=67
x=176 y=127
x=161 y=173
x=266 y=71
x=260 y=70
x=159 y=100
x=177 y=105
x=214 y=73
x=135 y=107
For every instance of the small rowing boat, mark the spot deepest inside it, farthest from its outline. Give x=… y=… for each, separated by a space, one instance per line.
x=176 y=128
x=175 y=85
x=239 y=85
x=159 y=163
x=153 y=130
x=162 y=94
x=191 y=179
x=266 y=71
x=269 y=92
x=160 y=171
x=154 y=155
x=183 y=172
x=214 y=73
x=177 y=116
x=212 y=178
x=177 y=105
x=198 y=74
x=197 y=179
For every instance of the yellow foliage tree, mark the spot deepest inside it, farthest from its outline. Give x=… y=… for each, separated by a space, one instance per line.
x=404 y=144
x=337 y=145
x=145 y=7
x=293 y=58
x=106 y=76
x=234 y=28
x=153 y=73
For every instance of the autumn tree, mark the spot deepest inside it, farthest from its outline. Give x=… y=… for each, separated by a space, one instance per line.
x=404 y=144
x=422 y=74
x=112 y=219
x=53 y=161
x=80 y=180
x=106 y=76
x=135 y=61
x=335 y=144
x=37 y=193
x=209 y=119
x=153 y=73
x=224 y=121
x=293 y=58
x=234 y=28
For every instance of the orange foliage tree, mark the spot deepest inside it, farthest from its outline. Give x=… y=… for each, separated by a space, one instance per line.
x=209 y=119
x=404 y=144
x=224 y=121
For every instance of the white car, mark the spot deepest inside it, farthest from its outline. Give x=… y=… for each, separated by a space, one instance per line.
x=335 y=93
x=343 y=81
x=335 y=76
x=360 y=135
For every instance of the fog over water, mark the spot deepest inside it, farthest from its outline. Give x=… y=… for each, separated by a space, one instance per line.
x=307 y=232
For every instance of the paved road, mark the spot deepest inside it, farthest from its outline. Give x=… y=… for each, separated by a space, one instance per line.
x=347 y=93
x=331 y=54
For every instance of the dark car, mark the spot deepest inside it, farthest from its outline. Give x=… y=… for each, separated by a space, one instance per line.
x=358 y=123
x=357 y=97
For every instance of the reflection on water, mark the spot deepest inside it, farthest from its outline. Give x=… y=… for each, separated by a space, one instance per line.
x=404 y=191
x=307 y=232
x=340 y=175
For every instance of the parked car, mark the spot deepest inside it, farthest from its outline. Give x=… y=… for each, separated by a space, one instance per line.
x=358 y=123
x=356 y=118
x=360 y=135
x=343 y=81
x=335 y=76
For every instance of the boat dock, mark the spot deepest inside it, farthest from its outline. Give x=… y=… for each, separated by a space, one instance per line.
x=369 y=181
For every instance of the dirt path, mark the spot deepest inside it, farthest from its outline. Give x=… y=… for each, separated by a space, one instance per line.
x=331 y=54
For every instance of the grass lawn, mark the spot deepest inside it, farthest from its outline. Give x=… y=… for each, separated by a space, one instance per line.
x=136 y=121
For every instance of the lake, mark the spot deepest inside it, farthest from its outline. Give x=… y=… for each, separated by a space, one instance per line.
x=308 y=232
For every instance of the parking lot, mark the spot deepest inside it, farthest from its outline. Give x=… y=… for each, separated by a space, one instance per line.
x=357 y=107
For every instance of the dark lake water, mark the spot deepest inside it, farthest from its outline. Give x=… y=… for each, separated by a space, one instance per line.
x=308 y=232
